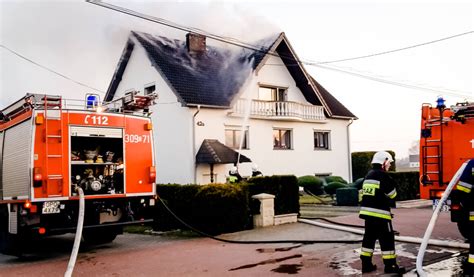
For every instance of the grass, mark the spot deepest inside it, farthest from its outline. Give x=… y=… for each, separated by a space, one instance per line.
x=308 y=199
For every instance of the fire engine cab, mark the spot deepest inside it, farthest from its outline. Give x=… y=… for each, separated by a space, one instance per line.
x=447 y=141
x=50 y=145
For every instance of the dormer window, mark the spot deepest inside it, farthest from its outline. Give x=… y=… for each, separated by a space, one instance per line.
x=272 y=93
x=149 y=89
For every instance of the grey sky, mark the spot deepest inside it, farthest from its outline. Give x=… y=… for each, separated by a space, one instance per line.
x=84 y=42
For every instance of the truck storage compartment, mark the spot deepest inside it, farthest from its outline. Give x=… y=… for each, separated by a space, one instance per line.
x=97 y=160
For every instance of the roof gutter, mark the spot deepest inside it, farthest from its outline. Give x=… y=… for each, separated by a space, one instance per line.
x=194 y=143
x=208 y=106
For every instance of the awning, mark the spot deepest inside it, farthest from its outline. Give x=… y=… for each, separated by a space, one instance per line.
x=214 y=152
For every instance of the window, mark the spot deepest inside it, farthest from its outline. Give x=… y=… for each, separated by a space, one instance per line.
x=268 y=93
x=233 y=137
x=322 y=140
x=282 y=139
x=149 y=89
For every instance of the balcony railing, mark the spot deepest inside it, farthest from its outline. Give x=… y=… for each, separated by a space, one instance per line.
x=279 y=110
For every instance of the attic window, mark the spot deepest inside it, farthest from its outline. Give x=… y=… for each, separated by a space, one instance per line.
x=149 y=89
x=270 y=93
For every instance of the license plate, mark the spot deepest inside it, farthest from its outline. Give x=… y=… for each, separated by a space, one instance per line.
x=446 y=205
x=51 y=207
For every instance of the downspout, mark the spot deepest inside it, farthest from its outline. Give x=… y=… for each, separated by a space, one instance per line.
x=349 y=150
x=194 y=143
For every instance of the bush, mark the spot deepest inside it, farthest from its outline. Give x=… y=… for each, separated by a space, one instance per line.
x=333 y=186
x=407 y=184
x=347 y=197
x=284 y=187
x=361 y=163
x=357 y=184
x=311 y=184
x=214 y=209
x=331 y=179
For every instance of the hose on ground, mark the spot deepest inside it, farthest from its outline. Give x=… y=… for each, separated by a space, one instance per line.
x=333 y=222
x=77 y=239
x=253 y=241
x=434 y=217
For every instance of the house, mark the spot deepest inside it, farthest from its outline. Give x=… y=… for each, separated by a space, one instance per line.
x=212 y=99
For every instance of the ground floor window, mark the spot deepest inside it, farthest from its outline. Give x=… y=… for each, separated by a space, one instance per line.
x=282 y=139
x=322 y=140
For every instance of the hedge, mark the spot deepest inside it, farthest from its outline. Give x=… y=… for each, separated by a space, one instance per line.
x=361 y=163
x=284 y=187
x=311 y=184
x=407 y=184
x=214 y=209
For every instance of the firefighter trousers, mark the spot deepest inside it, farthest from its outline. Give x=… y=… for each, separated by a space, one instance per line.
x=381 y=230
x=470 y=259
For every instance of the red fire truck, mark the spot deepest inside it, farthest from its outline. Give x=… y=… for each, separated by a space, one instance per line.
x=50 y=145
x=447 y=141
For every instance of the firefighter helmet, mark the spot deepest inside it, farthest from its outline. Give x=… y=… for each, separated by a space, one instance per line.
x=233 y=170
x=381 y=157
x=254 y=167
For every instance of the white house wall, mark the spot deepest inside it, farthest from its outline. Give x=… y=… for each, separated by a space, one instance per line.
x=301 y=160
x=171 y=122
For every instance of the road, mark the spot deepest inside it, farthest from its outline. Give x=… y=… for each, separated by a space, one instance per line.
x=165 y=255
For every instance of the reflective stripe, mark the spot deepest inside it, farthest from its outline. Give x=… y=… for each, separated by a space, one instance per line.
x=392 y=194
x=388 y=252
x=471 y=259
x=463 y=186
x=366 y=254
x=471 y=216
x=232 y=179
x=388 y=257
x=375 y=213
x=364 y=249
x=370 y=181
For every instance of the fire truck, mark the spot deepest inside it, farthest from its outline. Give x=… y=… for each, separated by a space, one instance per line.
x=49 y=146
x=447 y=141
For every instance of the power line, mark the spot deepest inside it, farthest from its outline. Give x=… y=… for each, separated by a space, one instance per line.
x=48 y=69
x=398 y=49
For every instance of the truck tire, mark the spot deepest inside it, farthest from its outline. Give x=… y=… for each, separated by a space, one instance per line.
x=100 y=235
x=463 y=226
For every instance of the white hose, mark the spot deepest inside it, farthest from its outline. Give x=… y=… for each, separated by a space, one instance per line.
x=442 y=243
x=434 y=217
x=77 y=239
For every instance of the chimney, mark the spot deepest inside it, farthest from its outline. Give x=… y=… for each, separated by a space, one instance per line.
x=196 y=43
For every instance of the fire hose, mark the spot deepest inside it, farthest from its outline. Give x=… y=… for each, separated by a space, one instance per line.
x=434 y=217
x=77 y=239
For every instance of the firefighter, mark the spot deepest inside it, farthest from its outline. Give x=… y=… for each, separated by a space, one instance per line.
x=234 y=176
x=255 y=171
x=378 y=196
x=466 y=188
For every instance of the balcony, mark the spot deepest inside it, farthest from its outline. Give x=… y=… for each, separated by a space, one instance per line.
x=291 y=111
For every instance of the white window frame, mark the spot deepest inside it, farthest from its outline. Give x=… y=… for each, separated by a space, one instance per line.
x=324 y=147
x=149 y=85
x=280 y=137
x=275 y=97
x=236 y=143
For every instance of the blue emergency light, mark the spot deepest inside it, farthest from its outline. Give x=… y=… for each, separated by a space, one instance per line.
x=440 y=103
x=92 y=101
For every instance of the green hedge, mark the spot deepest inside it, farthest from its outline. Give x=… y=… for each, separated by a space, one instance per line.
x=361 y=163
x=331 y=179
x=407 y=184
x=333 y=186
x=214 y=209
x=284 y=187
x=311 y=184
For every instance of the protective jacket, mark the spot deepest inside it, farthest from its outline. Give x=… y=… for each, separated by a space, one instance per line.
x=466 y=187
x=378 y=194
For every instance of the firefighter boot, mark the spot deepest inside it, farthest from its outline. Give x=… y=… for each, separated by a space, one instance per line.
x=468 y=269
x=367 y=265
x=392 y=267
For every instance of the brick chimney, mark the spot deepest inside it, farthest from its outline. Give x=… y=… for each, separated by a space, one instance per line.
x=196 y=43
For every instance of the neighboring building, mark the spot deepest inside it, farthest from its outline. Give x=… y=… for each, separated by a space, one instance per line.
x=414 y=161
x=291 y=124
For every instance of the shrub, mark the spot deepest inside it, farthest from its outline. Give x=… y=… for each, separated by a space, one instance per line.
x=407 y=184
x=311 y=184
x=361 y=163
x=331 y=179
x=284 y=187
x=333 y=186
x=347 y=197
x=357 y=184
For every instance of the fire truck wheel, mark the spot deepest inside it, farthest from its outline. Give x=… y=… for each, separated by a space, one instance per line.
x=100 y=235
x=463 y=226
